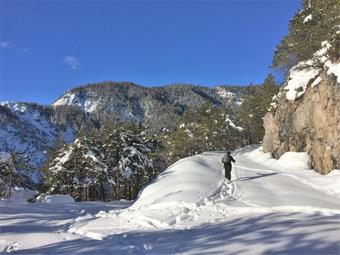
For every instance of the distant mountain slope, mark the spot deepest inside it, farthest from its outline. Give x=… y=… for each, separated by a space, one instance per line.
x=155 y=107
x=29 y=129
x=32 y=129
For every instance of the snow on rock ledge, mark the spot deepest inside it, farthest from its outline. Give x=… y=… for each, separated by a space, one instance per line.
x=298 y=81
x=302 y=74
x=306 y=117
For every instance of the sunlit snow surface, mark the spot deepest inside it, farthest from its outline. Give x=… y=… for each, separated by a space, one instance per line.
x=272 y=208
x=305 y=72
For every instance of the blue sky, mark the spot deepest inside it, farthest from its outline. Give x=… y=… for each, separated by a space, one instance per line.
x=47 y=47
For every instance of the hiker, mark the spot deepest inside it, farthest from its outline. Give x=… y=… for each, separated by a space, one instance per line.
x=226 y=160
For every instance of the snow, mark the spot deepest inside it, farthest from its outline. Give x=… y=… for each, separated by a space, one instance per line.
x=271 y=207
x=222 y=92
x=56 y=199
x=32 y=133
x=298 y=80
x=188 y=180
x=20 y=195
x=88 y=105
x=333 y=68
x=316 y=82
x=301 y=74
x=232 y=124
x=67 y=99
x=308 y=18
x=289 y=160
x=297 y=165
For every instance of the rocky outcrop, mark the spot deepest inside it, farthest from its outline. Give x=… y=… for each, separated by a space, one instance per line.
x=310 y=123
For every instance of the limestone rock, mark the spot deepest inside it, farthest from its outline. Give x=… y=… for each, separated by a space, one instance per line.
x=309 y=124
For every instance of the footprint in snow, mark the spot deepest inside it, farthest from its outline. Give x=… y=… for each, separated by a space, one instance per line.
x=8 y=246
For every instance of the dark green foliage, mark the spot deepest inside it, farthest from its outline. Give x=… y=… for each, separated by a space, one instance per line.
x=305 y=36
x=208 y=129
x=114 y=165
x=12 y=173
x=254 y=107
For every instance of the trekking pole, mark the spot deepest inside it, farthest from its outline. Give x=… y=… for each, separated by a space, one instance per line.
x=236 y=171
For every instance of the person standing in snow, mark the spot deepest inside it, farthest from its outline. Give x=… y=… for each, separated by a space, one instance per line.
x=226 y=160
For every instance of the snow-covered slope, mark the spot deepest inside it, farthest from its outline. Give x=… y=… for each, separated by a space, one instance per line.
x=188 y=180
x=190 y=209
x=29 y=129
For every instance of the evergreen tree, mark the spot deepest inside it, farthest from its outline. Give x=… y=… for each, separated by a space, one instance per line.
x=316 y=22
x=209 y=128
x=7 y=173
x=114 y=165
x=79 y=170
x=253 y=109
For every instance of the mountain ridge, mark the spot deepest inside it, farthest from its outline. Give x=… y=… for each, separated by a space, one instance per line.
x=92 y=104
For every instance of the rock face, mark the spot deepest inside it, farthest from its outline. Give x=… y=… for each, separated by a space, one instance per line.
x=310 y=123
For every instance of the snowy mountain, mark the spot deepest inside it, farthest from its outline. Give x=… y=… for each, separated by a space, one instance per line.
x=271 y=207
x=155 y=106
x=32 y=129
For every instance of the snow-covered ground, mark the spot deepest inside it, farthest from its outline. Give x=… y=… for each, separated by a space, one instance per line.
x=274 y=207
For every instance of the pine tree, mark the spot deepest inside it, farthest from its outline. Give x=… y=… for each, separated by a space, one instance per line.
x=135 y=163
x=114 y=165
x=316 y=22
x=253 y=109
x=7 y=174
x=206 y=129
x=79 y=170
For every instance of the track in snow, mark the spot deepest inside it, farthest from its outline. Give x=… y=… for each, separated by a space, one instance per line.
x=190 y=209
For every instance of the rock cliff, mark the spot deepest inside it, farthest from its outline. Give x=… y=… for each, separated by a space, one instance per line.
x=308 y=121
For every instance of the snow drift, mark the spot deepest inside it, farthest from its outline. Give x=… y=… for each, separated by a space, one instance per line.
x=193 y=192
x=188 y=180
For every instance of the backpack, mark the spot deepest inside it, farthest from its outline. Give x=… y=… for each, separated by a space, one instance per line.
x=226 y=159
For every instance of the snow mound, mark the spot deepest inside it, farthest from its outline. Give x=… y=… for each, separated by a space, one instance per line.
x=289 y=160
x=294 y=160
x=56 y=199
x=182 y=197
x=193 y=192
x=188 y=180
